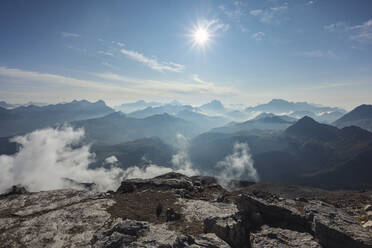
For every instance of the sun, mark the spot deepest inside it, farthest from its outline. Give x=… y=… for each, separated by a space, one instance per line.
x=201 y=36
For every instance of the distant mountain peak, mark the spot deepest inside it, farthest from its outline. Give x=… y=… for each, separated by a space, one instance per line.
x=175 y=102
x=214 y=105
x=361 y=112
x=307 y=127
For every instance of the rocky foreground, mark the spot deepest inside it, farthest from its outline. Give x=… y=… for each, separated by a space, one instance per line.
x=173 y=210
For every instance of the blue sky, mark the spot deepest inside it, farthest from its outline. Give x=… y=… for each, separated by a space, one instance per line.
x=120 y=51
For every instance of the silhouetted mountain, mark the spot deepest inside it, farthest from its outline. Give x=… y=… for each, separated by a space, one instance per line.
x=134 y=106
x=310 y=129
x=138 y=152
x=361 y=116
x=264 y=121
x=28 y=118
x=283 y=106
x=117 y=128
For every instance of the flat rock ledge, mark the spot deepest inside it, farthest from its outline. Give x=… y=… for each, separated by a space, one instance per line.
x=174 y=211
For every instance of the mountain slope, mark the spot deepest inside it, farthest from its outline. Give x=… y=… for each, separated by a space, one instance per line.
x=310 y=129
x=361 y=116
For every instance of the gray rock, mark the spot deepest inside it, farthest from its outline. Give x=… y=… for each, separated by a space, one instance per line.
x=208 y=240
x=169 y=181
x=335 y=228
x=331 y=226
x=270 y=237
x=368 y=207
x=59 y=218
x=280 y=213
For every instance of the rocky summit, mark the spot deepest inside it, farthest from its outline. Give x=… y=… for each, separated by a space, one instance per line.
x=174 y=210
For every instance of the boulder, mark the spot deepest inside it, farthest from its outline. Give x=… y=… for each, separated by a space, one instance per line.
x=169 y=181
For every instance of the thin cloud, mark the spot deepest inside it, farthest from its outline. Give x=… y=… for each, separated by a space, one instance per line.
x=111 y=84
x=338 y=26
x=70 y=35
x=216 y=25
x=197 y=79
x=106 y=53
x=258 y=36
x=270 y=15
x=317 y=54
x=310 y=3
x=330 y=86
x=235 y=12
x=361 y=33
x=153 y=63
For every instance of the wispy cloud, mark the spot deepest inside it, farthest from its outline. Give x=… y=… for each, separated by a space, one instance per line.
x=69 y=35
x=317 y=54
x=269 y=15
x=111 y=85
x=197 y=79
x=234 y=12
x=361 y=33
x=153 y=63
x=330 y=86
x=215 y=25
x=106 y=53
x=258 y=36
x=338 y=26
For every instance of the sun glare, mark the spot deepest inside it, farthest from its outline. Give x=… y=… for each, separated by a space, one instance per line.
x=201 y=36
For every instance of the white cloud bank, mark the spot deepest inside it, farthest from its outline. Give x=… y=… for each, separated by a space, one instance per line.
x=50 y=156
x=47 y=157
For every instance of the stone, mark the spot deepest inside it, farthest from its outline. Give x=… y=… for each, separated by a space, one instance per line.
x=368 y=224
x=335 y=228
x=271 y=237
x=171 y=215
x=368 y=207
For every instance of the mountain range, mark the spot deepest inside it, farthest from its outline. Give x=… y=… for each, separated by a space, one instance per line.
x=117 y=128
x=307 y=152
x=23 y=119
x=283 y=148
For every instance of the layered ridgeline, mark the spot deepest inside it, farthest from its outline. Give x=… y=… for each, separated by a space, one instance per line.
x=173 y=210
x=25 y=119
x=268 y=147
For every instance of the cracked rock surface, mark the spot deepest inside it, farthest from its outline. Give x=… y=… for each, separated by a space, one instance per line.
x=176 y=211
